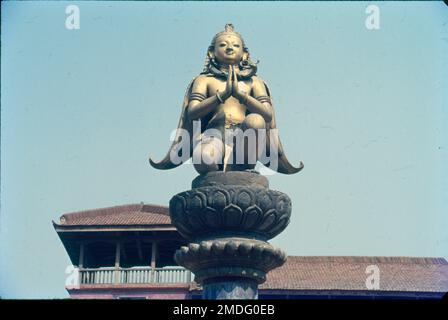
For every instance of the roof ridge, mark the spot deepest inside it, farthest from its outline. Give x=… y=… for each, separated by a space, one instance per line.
x=154 y=208
x=115 y=210
x=371 y=259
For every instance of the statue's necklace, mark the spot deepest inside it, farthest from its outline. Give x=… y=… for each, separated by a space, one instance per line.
x=244 y=74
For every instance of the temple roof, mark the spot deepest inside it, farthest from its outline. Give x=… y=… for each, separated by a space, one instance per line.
x=145 y=222
x=124 y=215
x=330 y=273
x=349 y=273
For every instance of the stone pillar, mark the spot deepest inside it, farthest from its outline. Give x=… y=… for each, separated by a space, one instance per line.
x=228 y=219
x=231 y=289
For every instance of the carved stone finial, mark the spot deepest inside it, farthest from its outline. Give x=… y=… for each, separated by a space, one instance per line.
x=229 y=27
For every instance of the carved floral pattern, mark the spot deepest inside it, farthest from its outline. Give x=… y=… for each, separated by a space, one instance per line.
x=211 y=210
x=230 y=258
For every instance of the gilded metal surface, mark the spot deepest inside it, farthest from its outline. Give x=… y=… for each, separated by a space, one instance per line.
x=227 y=95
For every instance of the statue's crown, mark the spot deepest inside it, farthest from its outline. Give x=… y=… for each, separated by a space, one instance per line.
x=228 y=29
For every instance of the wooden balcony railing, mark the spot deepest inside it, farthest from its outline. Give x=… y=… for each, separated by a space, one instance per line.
x=134 y=275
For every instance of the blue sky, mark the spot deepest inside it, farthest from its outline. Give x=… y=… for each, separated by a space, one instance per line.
x=365 y=110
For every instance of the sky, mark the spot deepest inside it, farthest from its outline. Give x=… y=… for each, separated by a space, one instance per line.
x=365 y=110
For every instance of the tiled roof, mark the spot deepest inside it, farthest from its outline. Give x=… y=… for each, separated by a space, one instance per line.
x=134 y=214
x=398 y=274
x=349 y=273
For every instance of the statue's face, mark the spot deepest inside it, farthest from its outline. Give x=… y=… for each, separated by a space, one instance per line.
x=228 y=49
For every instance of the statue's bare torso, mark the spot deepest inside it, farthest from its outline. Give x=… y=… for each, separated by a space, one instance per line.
x=231 y=111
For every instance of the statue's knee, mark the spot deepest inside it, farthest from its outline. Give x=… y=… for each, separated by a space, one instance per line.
x=204 y=168
x=208 y=161
x=207 y=156
x=254 y=121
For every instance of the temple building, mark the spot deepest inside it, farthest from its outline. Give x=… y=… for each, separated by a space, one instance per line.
x=126 y=252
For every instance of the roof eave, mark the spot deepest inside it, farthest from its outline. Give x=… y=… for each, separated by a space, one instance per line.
x=112 y=228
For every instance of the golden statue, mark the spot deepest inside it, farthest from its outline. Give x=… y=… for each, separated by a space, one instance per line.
x=227 y=97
